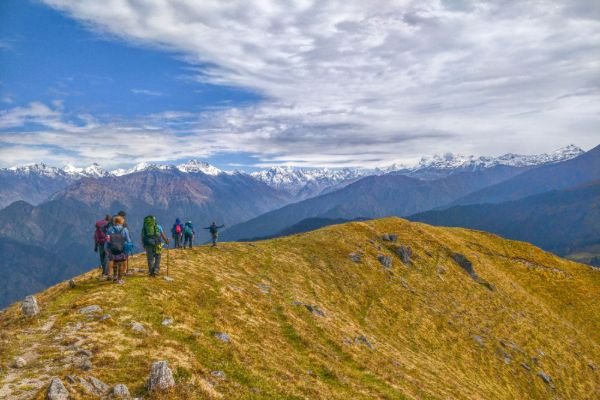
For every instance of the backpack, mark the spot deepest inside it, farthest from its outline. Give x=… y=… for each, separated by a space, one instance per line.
x=116 y=244
x=150 y=233
x=178 y=229
x=189 y=231
x=100 y=234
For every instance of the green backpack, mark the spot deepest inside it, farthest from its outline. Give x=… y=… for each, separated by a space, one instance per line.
x=150 y=233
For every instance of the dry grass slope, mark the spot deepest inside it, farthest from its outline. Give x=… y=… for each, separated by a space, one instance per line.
x=421 y=331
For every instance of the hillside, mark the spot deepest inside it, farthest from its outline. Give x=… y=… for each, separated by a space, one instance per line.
x=562 y=221
x=318 y=315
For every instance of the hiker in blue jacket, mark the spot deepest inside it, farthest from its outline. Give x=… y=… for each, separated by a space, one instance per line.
x=214 y=232
x=118 y=246
x=188 y=234
x=177 y=233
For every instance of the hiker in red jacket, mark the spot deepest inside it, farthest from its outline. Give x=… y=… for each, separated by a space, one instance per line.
x=99 y=241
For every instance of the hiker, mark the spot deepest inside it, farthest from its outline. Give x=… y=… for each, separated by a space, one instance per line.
x=214 y=232
x=111 y=220
x=118 y=245
x=99 y=241
x=152 y=238
x=177 y=233
x=188 y=234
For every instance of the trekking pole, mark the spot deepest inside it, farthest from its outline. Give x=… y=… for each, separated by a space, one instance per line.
x=167 y=261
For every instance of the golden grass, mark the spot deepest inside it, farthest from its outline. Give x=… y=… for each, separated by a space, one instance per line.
x=424 y=331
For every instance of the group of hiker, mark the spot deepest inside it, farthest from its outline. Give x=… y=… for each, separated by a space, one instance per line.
x=113 y=243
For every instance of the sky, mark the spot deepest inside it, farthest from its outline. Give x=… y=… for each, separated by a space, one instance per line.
x=255 y=83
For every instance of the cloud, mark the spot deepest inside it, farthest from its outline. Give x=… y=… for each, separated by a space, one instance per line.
x=356 y=81
x=146 y=92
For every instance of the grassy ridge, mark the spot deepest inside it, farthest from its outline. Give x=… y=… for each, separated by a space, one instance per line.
x=425 y=330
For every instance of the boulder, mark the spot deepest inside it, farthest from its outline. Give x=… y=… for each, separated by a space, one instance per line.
x=386 y=261
x=72 y=283
x=57 y=390
x=389 y=237
x=218 y=374
x=93 y=309
x=29 y=306
x=355 y=257
x=167 y=321
x=94 y=386
x=136 y=326
x=222 y=337
x=19 y=362
x=120 y=391
x=315 y=310
x=545 y=377
x=161 y=377
x=405 y=253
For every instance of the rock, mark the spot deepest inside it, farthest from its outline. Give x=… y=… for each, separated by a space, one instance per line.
x=386 y=261
x=161 y=377
x=57 y=390
x=405 y=253
x=29 y=306
x=98 y=387
x=385 y=237
x=218 y=374
x=19 y=362
x=86 y=365
x=363 y=340
x=525 y=366
x=84 y=353
x=136 y=326
x=393 y=237
x=355 y=257
x=222 y=337
x=72 y=283
x=315 y=310
x=168 y=278
x=120 y=391
x=479 y=340
x=592 y=366
x=545 y=377
x=167 y=321
x=71 y=379
x=90 y=310
x=105 y=317
x=467 y=265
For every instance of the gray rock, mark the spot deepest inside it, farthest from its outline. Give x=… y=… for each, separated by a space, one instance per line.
x=136 y=326
x=90 y=310
x=99 y=386
x=57 y=390
x=86 y=364
x=363 y=340
x=479 y=340
x=29 y=306
x=385 y=237
x=355 y=257
x=405 y=253
x=386 y=261
x=525 y=366
x=222 y=337
x=84 y=353
x=19 y=362
x=105 y=317
x=161 y=377
x=120 y=391
x=71 y=379
x=545 y=377
x=218 y=374
x=168 y=278
x=592 y=366
x=72 y=283
x=315 y=310
x=167 y=321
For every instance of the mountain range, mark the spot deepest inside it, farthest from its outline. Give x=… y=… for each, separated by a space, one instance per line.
x=49 y=222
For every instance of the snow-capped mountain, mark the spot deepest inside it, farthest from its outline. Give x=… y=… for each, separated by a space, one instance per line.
x=194 y=166
x=191 y=166
x=438 y=166
x=39 y=169
x=305 y=182
x=93 y=171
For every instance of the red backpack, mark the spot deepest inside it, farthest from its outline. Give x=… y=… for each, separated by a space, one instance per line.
x=100 y=234
x=178 y=229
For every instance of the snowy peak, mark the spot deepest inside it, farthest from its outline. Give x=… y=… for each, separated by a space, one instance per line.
x=293 y=180
x=93 y=171
x=37 y=169
x=195 y=166
x=143 y=166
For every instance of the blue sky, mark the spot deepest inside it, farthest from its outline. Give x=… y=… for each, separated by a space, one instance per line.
x=251 y=84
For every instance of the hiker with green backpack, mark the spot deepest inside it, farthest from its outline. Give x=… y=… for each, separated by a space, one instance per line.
x=153 y=238
x=188 y=234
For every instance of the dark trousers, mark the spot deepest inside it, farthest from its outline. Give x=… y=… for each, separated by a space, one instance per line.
x=153 y=260
x=177 y=241
x=214 y=238
x=187 y=239
x=103 y=259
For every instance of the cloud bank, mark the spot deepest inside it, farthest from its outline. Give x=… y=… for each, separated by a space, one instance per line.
x=355 y=82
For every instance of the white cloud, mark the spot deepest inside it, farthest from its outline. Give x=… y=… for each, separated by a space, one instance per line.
x=360 y=81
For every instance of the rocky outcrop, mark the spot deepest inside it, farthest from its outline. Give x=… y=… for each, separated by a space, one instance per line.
x=57 y=390
x=386 y=261
x=30 y=307
x=161 y=377
x=120 y=392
